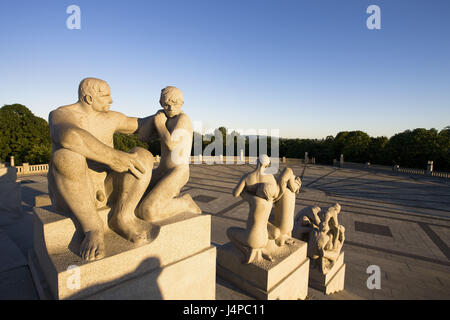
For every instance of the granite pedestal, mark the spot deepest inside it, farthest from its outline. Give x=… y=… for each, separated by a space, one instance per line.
x=10 y=193
x=178 y=264
x=331 y=282
x=285 y=278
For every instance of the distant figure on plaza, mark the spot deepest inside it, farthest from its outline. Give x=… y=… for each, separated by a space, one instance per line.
x=262 y=190
x=86 y=172
x=174 y=129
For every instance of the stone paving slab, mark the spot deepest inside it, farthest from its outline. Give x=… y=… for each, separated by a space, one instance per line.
x=17 y=284
x=11 y=256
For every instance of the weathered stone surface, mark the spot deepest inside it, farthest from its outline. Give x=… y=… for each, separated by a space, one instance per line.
x=56 y=246
x=87 y=173
x=191 y=278
x=331 y=282
x=284 y=278
x=10 y=193
x=42 y=200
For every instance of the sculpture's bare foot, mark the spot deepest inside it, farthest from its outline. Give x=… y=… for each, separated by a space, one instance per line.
x=192 y=207
x=290 y=241
x=93 y=246
x=256 y=255
x=134 y=229
x=284 y=239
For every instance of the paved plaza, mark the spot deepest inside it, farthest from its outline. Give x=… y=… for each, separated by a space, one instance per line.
x=400 y=223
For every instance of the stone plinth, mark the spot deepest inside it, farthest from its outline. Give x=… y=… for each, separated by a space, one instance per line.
x=10 y=193
x=331 y=282
x=286 y=278
x=178 y=264
x=42 y=200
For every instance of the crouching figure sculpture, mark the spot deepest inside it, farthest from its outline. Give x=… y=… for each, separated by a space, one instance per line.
x=325 y=236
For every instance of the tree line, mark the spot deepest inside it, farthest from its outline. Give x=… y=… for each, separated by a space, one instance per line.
x=27 y=138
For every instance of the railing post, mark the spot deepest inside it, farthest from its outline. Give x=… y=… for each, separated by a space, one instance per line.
x=430 y=168
x=341 y=161
x=11 y=162
x=306 y=158
x=26 y=168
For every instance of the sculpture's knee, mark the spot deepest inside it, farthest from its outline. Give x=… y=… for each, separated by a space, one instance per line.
x=144 y=156
x=149 y=210
x=68 y=163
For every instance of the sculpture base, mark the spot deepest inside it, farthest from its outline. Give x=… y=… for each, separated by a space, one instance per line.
x=333 y=281
x=286 y=278
x=178 y=264
x=11 y=199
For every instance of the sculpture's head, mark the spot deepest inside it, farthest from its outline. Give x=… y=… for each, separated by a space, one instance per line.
x=96 y=93
x=264 y=161
x=171 y=100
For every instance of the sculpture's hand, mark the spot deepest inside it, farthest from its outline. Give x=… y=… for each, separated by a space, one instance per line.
x=123 y=162
x=160 y=119
x=296 y=185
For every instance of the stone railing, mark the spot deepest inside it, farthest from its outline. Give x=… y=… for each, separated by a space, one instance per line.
x=441 y=174
x=43 y=168
x=25 y=169
x=396 y=169
x=222 y=160
x=410 y=171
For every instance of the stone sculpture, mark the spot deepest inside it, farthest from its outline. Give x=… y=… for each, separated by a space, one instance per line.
x=262 y=191
x=174 y=129
x=86 y=173
x=10 y=194
x=154 y=242
x=263 y=259
x=325 y=236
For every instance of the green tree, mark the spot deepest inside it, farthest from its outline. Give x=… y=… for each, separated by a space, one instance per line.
x=23 y=135
x=414 y=148
x=125 y=142
x=442 y=162
x=353 y=145
x=376 y=150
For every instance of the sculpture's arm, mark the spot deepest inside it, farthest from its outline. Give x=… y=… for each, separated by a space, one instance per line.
x=124 y=124
x=146 y=129
x=182 y=131
x=239 y=187
x=315 y=219
x=69 y=136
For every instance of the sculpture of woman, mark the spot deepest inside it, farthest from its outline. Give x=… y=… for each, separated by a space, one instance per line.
x=261 y=191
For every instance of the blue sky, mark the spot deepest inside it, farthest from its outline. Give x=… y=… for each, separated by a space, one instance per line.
x=307 y=68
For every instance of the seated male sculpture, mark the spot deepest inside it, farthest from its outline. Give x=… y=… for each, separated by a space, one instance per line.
x=325 y=236
x=174 y=129
x=86 y=171
x=261 y=190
